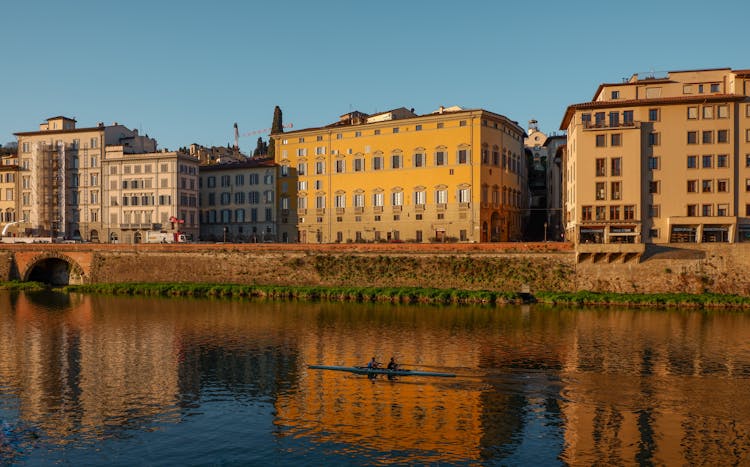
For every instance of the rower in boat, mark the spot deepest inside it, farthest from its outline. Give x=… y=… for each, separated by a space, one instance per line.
x=392 y=365
x=373 y=364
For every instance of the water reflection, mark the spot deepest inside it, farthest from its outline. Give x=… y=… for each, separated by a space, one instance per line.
x=136 y=379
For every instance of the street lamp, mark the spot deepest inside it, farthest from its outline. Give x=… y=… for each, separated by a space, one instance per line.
x=545 y=231
x=225 y=233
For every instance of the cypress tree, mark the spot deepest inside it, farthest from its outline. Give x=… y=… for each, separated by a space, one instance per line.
x=276 y=127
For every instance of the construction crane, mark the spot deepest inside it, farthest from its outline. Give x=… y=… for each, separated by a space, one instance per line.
x=237 y=134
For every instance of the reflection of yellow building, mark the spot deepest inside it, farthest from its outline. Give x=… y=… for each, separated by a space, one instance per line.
x=453 y=174
x=660 y=160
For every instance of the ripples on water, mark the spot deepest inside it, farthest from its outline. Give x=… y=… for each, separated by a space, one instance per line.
x=126 y=381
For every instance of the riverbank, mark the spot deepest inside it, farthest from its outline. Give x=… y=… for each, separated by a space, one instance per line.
x=404 y=295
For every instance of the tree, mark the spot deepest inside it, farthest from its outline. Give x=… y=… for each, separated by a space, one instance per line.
x=276 y=127
x=261 y=148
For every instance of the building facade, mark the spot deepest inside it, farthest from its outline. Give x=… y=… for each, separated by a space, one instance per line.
x=8 y=190
x=70 y=183
x=660 y=160
x=238 y=202
x=451 y=175
x=149 y=192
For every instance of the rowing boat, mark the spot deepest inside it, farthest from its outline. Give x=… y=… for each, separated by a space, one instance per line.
x=361 y=370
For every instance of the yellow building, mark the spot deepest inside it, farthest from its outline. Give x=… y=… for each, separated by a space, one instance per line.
x=451 y=175
x=660 y=160
x=8 y=190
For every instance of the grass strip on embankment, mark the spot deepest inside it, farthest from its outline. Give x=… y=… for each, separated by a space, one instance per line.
x=683 y=300
x=308 y=293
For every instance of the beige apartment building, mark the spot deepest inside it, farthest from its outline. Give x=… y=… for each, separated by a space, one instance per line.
x=238 y=202
x=70 y=178
x=450 y=175
x=150 y=192
x=660 y=160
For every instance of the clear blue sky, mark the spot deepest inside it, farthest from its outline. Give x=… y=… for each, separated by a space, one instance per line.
x=185 y=71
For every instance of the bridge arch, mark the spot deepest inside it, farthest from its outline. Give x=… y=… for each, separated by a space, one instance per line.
x=54 y=269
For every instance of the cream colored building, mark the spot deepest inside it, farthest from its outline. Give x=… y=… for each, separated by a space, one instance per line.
x=660 y=160
x=450 y=175
x=154 y=191
x=70 y=183
x=238 y=201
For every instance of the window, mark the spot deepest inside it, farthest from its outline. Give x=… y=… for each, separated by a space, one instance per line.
x=301 y=152
x=616 y=164
x=320 y=150
x=377 y=162
x=692 y=210
x=722 y=210
x=586 y=213
x=463 y=156
x=653 y=187
x=714 y=87
x=722 y=185
x=722 y=111
x=359 y=164
x=707 y=186
x=614 y=119
x=615 y=94
x=599 y=119
x=441 y=196
x=627 y=117
x=707 y=137
x=586 y=120
x=722 y=136
x=357 y=134
x=239 y=197
x=601 y=167
x=417 y=127
x=601 y=141
x=700 y=89
x=747 y=135
x=320 y=202
x=301 y=170
x=396 y=161
x=339 y=136
x=419 y=198
x=301 y=185
x=707 y=210
x=440 y=125
x=692 y=162
x=708 y=112
x=653 y=115
x=358 y=200
x=692 y=137
x=692 y=113
x=377 y=199
x=615 y=191
x=629 y=211
x=440 y=158
x=614 y=213
x=654 y=210
x=340 y=166
x=653 y=163
x=692 y=186
x=722 y=161
x=376 y=132
x=318 y=184
x=601 y=213
x=397 y=198
x=654 y=139
x=418 y=159
x=707 y=161
x=395 y=129
x=340 y=201
x=616 y=140
x=464 y=195
x=600 y=191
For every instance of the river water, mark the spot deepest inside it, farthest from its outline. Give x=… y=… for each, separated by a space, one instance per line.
x=142 y=381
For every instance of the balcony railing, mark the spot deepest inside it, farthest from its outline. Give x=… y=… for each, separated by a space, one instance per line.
x=340 y=210
x=610 y=125
x=377 y=208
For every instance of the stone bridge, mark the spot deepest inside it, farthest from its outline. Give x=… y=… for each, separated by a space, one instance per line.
x=55 y=267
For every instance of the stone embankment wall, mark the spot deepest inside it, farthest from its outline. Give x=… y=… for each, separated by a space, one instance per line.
x=507 y=267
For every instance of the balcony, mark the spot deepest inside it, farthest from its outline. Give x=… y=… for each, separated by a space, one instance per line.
x=377 y=209
x=359 y=210
x=320 y=211
x=301 y=212
x=397 y=208
x=464 y=205
x=340 y=210
x=441 y=206
x=610 y=125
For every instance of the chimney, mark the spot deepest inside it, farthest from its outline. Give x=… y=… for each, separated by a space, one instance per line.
x=442 y=109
